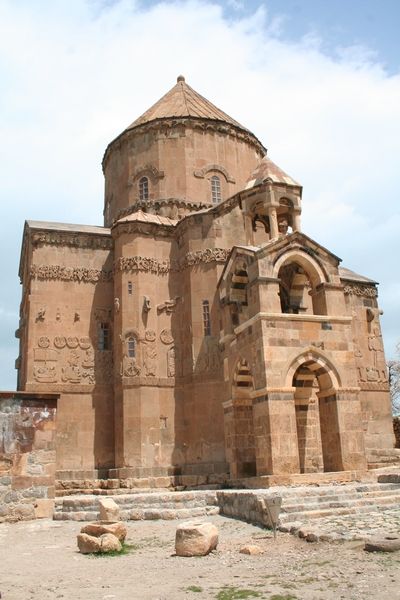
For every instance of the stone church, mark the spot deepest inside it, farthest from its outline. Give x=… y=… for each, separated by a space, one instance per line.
x=199 y=336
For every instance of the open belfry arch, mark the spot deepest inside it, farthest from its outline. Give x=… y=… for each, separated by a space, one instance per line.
x=200 y=336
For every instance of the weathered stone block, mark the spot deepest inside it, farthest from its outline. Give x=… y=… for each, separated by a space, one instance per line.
x=195 y=538
x=109 y=509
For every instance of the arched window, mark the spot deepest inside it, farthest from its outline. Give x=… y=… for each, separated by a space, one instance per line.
x=131 y=347
x=216 y=189
x=143 y=188
x=206 y=318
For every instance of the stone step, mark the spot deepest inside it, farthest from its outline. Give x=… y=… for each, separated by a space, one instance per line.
x=349 y=488
x=62 y=493
x=393 y=500
x=354 y=496
x=138 y=506
x=305 y=516
x=140 y=514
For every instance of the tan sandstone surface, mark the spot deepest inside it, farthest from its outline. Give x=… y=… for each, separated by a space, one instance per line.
x=40 y=560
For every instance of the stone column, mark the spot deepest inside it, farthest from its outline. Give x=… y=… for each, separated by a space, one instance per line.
x=273 y=221
x=296 y=221
x=350 y=430
x=275 y=433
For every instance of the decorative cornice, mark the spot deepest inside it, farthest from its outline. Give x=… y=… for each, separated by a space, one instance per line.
x=73 y=239
x=204 y=125
x=361 y=290
x=132 y=264
x=208 y=255
x=154 y=206
x=62 y=273
x=152 y=265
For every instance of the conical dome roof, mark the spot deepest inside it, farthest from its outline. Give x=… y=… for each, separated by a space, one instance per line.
x=266 y=169
x=182 y=101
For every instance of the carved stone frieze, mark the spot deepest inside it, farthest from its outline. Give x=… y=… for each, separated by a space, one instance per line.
x=153 y=265
x=61 y=273
x=134 y=264
x=74 y=239
x=360 y=290
x=207 y=255
x=74 y=361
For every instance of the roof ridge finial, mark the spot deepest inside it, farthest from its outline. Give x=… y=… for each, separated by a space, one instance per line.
x=180 y=78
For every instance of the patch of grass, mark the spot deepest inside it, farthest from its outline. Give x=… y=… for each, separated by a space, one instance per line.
x=287 y=585
x=233 y=593
x=280 y=597
x=126 y=549
x=194 y=588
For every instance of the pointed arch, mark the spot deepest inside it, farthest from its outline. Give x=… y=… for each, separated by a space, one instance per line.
x=314 y=270
x=327 y=375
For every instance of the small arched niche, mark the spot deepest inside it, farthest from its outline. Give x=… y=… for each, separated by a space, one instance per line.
x=299 y=278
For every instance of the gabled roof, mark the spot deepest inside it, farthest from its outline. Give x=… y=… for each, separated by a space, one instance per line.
x=348 y=275
x=184 y=101
x=266 y=169
x=67 y=227
x=142 y=217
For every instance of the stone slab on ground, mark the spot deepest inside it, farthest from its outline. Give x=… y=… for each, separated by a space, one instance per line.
x=360 y=527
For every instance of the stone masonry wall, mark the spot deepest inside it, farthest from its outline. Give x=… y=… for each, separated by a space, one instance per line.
x=396 y=427
x=245 y=505
x=27 y=456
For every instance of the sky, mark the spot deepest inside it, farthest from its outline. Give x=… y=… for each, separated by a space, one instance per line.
x=317 y=81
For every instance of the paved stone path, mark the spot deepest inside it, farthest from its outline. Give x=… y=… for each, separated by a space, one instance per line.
x=363 y=526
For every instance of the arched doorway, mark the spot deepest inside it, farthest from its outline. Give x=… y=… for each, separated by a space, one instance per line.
x=317 y=419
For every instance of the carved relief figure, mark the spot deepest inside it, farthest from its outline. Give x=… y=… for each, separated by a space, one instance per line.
x=72 y=372
x=375 y=345
x=116 y=305
x=60 y=341
x=146 y=304
x=43 y=342
x=129 y=368
x=168 y=306
x=150 y=335
x=88 y=360
x=171 y=362
x=44 y=373
x=166 y=336
x=150 y=360
x=41 y=314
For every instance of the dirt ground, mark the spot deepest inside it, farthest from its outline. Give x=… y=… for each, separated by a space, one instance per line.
x=40 y=560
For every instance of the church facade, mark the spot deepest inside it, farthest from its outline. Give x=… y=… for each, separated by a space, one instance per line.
x=200 y=336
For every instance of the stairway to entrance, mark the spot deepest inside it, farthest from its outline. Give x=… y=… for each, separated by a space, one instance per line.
x=299 y=503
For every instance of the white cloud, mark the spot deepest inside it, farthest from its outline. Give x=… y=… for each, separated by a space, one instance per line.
x=76 y=74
